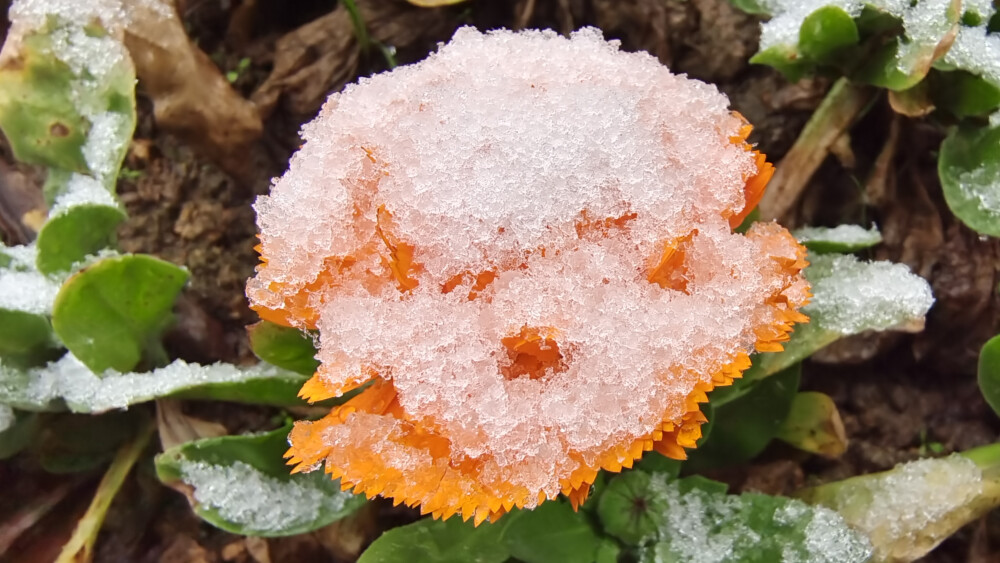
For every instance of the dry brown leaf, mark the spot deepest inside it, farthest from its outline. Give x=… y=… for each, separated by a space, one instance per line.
x=323 y=55
x=191 y=97
x=177 y=428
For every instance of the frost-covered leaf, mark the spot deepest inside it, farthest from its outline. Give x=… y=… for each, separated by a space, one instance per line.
x=989 y=373
x=850 y=297
x=68 y=380
x=693 y=519
x=241 y=484
x=283 y=346
x=22 y=287
x=745 y=423
x=842 y=238
x=813 y=424
x=112 y=313
x=969 y=167
x=79 y=229
x=436 y=541
x=909 y=510
x=976 y=49
x=68 y=87
x=918 y=34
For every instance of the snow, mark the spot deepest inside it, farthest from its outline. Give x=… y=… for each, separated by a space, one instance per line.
x=22 y=288
x=7 y=417
x=82 y=190
x=851 y=296
x=257 y=502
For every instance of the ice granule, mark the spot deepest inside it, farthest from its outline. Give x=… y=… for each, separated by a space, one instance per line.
x=82 y=190
x=258 y=502
x=7 y=417
x=844 y=234
x=911 y=508
x=33 y=14
x=851 y=296
x=983 y=185
x=105 y=141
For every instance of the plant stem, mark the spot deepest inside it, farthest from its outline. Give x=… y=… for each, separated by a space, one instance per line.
x=80 y=547
x=838 y=111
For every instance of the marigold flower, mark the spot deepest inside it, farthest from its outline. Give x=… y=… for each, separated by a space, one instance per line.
x=525 y=243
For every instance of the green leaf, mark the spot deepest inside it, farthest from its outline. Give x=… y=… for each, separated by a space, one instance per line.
x=18 y=430
x=37 y=113
x=786 y=60
x=745 y=425
x=825 y=33
x=969 y=168
x=25 y=338
x=75 y=233
x=989 y=373
x=814 y=425
x=72 y=443
x=842 y=238
x=551 y=533
x=699 y=519
x=283 y=346
x=111 y=314
x=963 y=94
x=242 y=485
x=750 y=6
x=436 y=541
x=883 y=69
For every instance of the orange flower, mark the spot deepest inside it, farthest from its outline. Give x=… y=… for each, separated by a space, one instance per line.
x=531 y=259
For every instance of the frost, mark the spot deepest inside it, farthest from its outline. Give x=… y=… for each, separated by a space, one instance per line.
x=7 y=417
x=851 y=296
x=843 y=234
x=982 y=185
x=978 y=51
x=258 y=502
x=22 y=287
x=85 y=391
x=718 y=528
x=910 y=509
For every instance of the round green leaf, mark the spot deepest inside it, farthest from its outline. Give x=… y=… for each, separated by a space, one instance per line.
x=786 y=60
x=814 y=425
x=78 y=232
x=989 y=373
x=111 y=314
x=969 y=168
x=745 y=425
x=962 y=93
x=242 y=485
x=283 y=346
x=25 y=338
x=826 y=32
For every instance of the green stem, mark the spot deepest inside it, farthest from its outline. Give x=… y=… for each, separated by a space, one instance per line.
x=80 y=546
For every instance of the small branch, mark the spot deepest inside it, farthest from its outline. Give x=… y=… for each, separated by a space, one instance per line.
x=80 y=547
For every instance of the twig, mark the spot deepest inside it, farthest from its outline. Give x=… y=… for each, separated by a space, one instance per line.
x=80 y=547
x=841 y=106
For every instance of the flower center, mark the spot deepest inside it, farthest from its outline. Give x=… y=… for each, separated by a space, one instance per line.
x=533 y=353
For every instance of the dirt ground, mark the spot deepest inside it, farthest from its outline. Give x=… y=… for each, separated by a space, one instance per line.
x=899 y=394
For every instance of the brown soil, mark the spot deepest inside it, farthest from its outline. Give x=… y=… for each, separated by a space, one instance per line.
x=897 y=394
